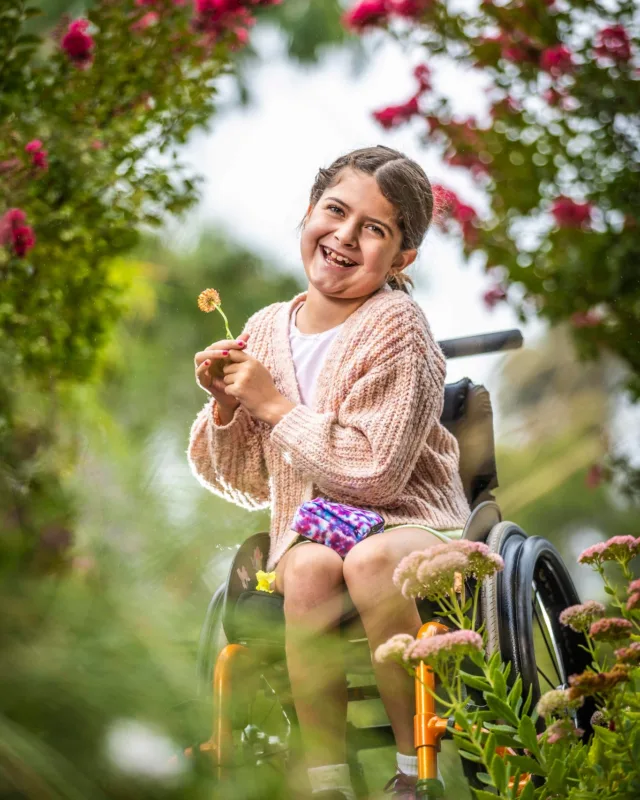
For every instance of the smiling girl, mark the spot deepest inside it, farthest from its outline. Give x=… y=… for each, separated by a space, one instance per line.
x=338 y=393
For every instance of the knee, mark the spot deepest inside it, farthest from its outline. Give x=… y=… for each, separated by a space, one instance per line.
x=370 y=563
x=313 y=573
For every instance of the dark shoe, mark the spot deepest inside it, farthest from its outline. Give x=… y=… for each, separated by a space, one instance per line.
x=402 y=786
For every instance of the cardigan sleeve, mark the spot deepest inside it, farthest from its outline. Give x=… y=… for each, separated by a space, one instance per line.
x=367 y=452
x=229 y=459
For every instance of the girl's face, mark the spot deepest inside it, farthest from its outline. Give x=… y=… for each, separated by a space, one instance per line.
x=351 y=240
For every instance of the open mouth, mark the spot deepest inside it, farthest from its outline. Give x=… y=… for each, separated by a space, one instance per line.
x=336 y=260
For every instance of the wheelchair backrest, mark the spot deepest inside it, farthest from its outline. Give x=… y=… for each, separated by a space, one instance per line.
x=467 y=413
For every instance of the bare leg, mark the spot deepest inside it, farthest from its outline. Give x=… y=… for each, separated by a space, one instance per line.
x=310 y=578
x=368 y=571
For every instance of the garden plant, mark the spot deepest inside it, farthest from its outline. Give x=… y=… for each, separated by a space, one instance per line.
x=521 y=749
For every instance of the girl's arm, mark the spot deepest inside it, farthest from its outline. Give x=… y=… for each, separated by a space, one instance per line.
x=229 y=459
x=367 y=452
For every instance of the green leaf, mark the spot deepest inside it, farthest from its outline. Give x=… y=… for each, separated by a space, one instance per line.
x=470 y=756
x=527 y=732
x=515 y=694
x=490 y=748
x=526 y=764
x=475 y=681
x=481 y=794
x=556 y=776
x=484 y=777
x=527 y=792
x=499 y=773
x=500 y=686
x=607 y=736
x=500 y=708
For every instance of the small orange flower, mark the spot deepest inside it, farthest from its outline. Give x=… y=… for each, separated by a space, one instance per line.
x=208 y=300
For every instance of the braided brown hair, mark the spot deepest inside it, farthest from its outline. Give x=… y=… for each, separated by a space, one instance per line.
x=403 y=183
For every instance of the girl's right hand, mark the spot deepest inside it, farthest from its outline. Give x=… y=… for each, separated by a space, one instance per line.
x=209 y=364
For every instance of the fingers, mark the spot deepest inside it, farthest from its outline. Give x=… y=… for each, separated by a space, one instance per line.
x=202 y=374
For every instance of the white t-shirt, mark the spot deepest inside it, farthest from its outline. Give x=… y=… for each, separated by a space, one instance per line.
x=309 y=351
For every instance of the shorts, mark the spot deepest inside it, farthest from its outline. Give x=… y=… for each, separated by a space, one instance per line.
x=445 y=535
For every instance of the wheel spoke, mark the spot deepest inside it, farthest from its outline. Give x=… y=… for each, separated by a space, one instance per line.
x=552 y=685
x=551 y=650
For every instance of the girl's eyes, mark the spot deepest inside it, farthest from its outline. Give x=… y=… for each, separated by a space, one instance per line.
x=375 y=227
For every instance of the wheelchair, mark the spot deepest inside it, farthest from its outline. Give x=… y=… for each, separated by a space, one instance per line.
x=241 y=657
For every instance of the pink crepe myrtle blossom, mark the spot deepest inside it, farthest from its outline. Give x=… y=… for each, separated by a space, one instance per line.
x=580 y=617
x=78 y=44
x=38 y=154
x=595 y=473
x=610 y=629
x=146 y=21
x=394 y=649
x=613 y=44
x=588 y=319
x=494 y=295
x=410 y=9
x=447 y=206
x=557 y=60
x=15 y=233
x=366 y=14
x=393 y=116
x=435 y=651
x=569 y=214
x=557 y=703
x=422 y=74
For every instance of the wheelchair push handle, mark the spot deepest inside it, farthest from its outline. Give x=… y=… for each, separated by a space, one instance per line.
x=482 y=343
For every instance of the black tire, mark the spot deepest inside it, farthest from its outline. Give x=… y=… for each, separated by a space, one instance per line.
x=544 y=588
x=521 y=607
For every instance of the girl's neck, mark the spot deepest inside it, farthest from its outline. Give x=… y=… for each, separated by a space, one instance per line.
x=320 y=313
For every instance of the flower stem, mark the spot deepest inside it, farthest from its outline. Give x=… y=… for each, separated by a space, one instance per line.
x=226 y=323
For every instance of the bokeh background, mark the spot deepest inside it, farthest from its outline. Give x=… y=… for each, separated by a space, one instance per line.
x=110 y=548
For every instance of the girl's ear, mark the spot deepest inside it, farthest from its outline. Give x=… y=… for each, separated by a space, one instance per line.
x=307 y=215
x=403 y=260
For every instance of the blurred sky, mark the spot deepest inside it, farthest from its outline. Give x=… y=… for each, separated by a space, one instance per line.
x=259 y=164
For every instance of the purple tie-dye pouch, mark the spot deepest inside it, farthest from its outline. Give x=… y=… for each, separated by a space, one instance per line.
x=338 y=526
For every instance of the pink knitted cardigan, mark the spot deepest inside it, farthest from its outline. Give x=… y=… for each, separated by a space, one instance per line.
x=374 y=439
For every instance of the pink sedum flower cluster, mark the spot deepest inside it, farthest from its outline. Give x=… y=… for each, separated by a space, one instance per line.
x=435 y=651
x=633 y=590
x=580 y=617
x=562 y=729
x=431 y=573
x=618 y=548
x=610 y=629
x=557 y=703
x=15 y=233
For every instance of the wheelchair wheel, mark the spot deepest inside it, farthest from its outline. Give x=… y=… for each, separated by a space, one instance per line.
x=212 y=640
x=521 y=607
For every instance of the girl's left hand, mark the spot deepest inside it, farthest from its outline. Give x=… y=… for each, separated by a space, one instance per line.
x=250 y=382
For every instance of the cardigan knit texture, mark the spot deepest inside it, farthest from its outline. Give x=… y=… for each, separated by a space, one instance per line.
x=373 y=438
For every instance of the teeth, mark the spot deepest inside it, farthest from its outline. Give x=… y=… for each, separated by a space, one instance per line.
x=335 y=257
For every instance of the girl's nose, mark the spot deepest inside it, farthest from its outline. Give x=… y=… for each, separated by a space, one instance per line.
x=346 y=235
